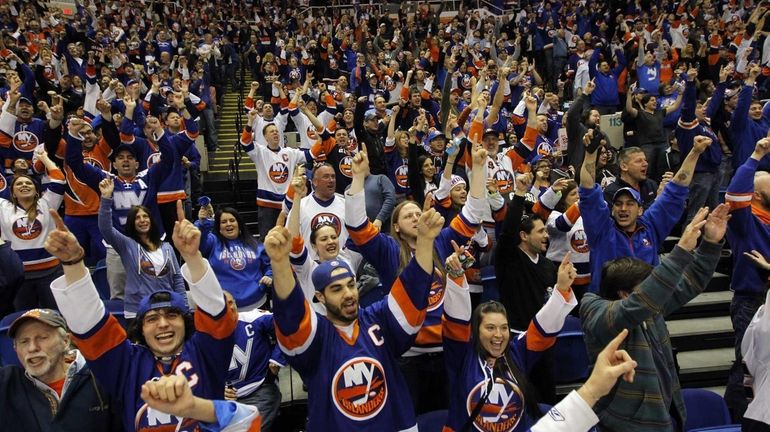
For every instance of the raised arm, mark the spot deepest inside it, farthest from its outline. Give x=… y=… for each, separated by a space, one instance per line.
x=588 y=169
x=683 y=177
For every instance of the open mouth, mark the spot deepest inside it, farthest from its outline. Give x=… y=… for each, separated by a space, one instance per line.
x=350 y=307
x=35 y=361
x=165 y=337
x=332 y=248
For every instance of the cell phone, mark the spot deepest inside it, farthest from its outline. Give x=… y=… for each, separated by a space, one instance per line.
x=596 y=141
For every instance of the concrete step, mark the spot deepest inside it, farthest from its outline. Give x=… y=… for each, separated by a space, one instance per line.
x=706 y=304
x=701 y=333
x=706 y=367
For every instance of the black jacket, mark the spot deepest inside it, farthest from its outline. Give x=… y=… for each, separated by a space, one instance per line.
x=85 y=406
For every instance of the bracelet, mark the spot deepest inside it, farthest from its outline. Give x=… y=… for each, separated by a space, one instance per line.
x=76 y=260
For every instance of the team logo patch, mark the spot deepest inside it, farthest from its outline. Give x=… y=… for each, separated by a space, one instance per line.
x=26 y=231
x=279 y=172
x=346 y=166
x=579 y=241
x=645 y=242
x=148 y=268
x=436 y=293
x=544 y=149
x=359 y=388
x=326 y=219
x=504 y=181
x=502 y=411
x=3 y=183
x=402 y=176
x=312 y=134
x=25 y=141
x=153 y=159
x=93 y=162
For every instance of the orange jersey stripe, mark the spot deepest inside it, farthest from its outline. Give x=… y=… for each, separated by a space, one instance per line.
x=106 y=338
x=455 y=331
x=364 y=235
x=461 y=227
x=296 y=340
x=429 y=335
x=536 y=341
x=217 y=328
x=413 y=316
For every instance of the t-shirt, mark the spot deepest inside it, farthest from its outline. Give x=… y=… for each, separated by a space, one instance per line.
x=649 y=127
x=57 y=386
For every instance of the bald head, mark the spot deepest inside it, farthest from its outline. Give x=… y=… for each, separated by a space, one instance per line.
x=762 y=188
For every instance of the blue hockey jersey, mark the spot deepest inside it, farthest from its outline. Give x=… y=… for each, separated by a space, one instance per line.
x=352 y=374
x=469 y=374
x=253 y=351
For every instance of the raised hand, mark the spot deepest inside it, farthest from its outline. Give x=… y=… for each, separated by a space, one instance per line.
x=360 y=165
x=566 y=274
x=453 y=265
x=701 y=143
x=560 y=184
x=186 y=236
x=762 y=148
x=106 y=187
x=430 y=224
x=252 y=116
x=479 y=155
x=531 y=103
x=589 y=87
x=716 y=224
x=758 y=259
x=74 y=126
x=299 y=183
x=524 y=182
x=278 y=244
x=61 y=243
x=170 y=394
x=611 y=363
x=692 y=232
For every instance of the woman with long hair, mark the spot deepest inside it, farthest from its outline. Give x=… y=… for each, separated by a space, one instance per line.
x=237 y=259
x=150 y=263
x=423 y=364
x=483 y=359
x=323 y=239
x=397 y=157
x=25 y=223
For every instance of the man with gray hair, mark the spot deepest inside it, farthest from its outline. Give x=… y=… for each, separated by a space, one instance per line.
x=54 y=389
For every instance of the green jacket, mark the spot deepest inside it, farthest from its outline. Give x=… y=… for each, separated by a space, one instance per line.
x=639 y=406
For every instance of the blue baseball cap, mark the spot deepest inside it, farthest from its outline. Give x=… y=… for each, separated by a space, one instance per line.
x=629 y=190
x=176 y=301
x=433 y=134
x=322 y=275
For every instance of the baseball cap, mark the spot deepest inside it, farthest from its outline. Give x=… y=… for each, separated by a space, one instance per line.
x=490 y=131
x=26 y=100
x=322 y=275
x=629 y=190
x=176 y=301
x=123 y=147
x=45 y=316
x=370 y=114
x=434 y=134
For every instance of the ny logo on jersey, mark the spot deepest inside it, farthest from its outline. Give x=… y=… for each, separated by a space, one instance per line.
x=149 y=419
x=504 y=407
x=402 y=176
x=436 y=293
x=25 y=141
x=326 y=219
x=153 y=159
x=278 y=172
x=346 y=166
x=25 y=230
x=359 y=388
x=93 y=162
x=579 y=241
x=242 y=357
x=3 y=183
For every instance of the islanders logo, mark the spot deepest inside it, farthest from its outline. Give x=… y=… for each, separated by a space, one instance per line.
x=402 y=176
x=502 y=411
x=326 y=219
x=359 y=388
x=153 y=159
x=3 y=183
x=148 y=268
x=278 y=172
x=346 y=166
x=93 y=162
x=25 y=230
x=579 y=241
x=25 y=141
x=436 y=292
x=504 y=181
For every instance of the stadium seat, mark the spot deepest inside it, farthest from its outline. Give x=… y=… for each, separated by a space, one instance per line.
x=99 y=276
x=7 y=354
x=725 y=428
x=489 y=282
x=115 y=307
x=432 y=421
x=570 y=354
x=704 y=409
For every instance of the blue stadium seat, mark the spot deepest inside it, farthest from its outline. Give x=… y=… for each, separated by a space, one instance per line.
x=489 y=282
x=726 y=428
x=99 y=276
x=115 y=307
x=7 y=354
x=432 y=421
x=571 y=354
x=705 y=409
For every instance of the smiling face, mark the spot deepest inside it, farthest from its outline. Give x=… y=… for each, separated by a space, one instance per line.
x=326 y=243
x=164 y=331
x=536 y=241
x=41 y=350
x=494 y=334
x=324 y=182
x=228 y=226
x=142 y=222
x=459 y=195
x=24 y=188
x=755 y=111
x=428 y=169
x=341 y=299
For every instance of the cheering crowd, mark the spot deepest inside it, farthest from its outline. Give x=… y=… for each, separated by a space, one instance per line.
x=435 y=143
